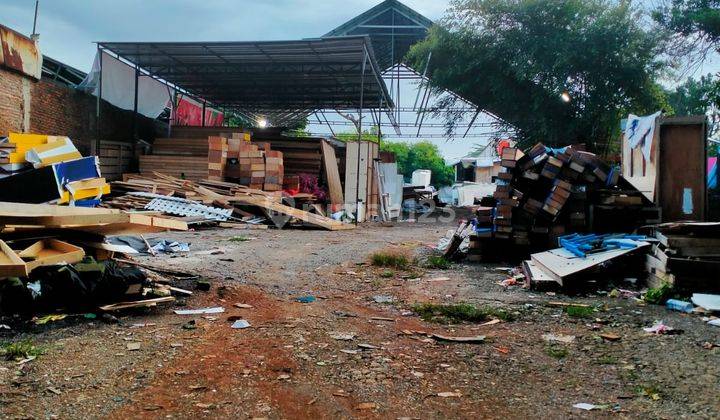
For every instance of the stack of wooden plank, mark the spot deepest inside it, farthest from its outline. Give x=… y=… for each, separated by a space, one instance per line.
x=179 y=157
x=483 y=230
x=217 y=157
x=687 y=256
x=274 y=170
x=545 y=193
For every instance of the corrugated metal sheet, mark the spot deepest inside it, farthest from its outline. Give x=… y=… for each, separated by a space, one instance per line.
x=20 y=53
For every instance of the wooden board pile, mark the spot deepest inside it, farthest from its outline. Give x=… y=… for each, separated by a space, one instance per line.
x=179 y=157
x=544 y=193
x=483 y=230
x=255 y=165
x=687 y=256
x=246 y=203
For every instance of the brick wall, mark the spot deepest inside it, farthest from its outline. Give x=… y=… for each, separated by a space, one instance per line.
x=59 y=110
x=11 y=102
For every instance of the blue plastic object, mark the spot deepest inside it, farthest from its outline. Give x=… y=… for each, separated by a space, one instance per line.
x=580 y=245
x=679 y=305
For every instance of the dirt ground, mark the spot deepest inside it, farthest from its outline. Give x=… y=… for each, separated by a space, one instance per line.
x=345 y=355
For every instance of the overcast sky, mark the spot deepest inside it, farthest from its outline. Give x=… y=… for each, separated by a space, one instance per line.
x=68 y=27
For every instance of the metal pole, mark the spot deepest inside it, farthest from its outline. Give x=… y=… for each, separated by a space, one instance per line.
x=357 y=178
x=135 y=107
x=98 y=104
x=203 y=114
x=422 y=80
x=37 y=5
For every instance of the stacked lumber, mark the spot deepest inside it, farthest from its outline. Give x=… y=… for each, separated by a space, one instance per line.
x=185 y=167
x=180 y=157
x=217 y=157
x=251 y=167
x=686 y=256
x=484 y=217
x=543 y=194
x=274 y=170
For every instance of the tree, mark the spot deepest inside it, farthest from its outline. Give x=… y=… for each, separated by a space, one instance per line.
x=697 y=22
x=519 y=60
x=421 y=155
x=698 y=97
x=694 y=97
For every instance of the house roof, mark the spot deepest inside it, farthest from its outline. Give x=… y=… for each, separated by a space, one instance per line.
x=393 y=28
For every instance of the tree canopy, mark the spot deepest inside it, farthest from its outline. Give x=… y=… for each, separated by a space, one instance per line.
x=697 y=21
x=518 y=58
x=421 y=155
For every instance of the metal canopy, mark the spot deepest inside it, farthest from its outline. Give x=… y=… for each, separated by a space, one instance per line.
x=284 y=79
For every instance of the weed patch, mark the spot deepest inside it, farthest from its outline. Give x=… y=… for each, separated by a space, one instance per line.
x=579 y=311
x=387 y=274
x=462 y=312
x=607 y=360
x=658 y=295
x=20 y=350
x=438 y=262
x=239 y=239
x=557 y=352
x=391 y=258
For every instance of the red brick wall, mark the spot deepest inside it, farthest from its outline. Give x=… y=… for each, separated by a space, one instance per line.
x=11 y=102
x=59 y=110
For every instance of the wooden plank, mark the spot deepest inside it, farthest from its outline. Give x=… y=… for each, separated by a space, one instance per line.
x=51 y=252
x=332 y=174
x=11 y=265
x=272 y=206
x=136 y=304
x=559 y=263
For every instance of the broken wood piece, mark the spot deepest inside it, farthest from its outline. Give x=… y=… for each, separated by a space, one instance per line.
x=471 y=339
x=136 y=304
x=51 y=252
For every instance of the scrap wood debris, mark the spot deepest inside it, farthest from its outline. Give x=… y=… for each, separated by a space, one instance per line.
x=215 y=200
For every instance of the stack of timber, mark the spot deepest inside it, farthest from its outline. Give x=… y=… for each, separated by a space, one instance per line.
x=179 y=157
x=544 y=193
x=483 y=229
x=686 y=256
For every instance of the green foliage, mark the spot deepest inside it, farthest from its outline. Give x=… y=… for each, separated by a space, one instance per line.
x=20 y=350
x=557 y=351
x=239 y=239
x=391 y=258
x=607 y=359
x=420 y=155
x=514 y=58
x=579 y=311
x=367 y=135
x=694 y=97
x=387 y=274
x=658 y=295
x=462 y=312
x=698 y=20
x=437 y=262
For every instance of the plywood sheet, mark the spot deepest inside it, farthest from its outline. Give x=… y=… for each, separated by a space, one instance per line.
x=682 y=187
x=332 y=174
x=559 y=263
